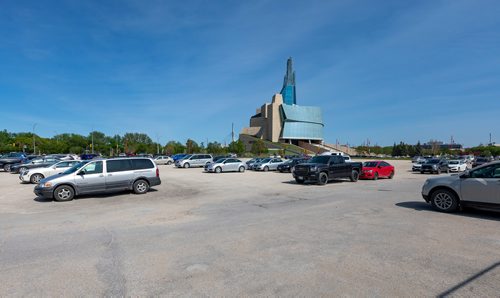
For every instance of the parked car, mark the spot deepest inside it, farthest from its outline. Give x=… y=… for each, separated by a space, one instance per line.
x=289 y=164
x=35 y=163
x=478 y=187
x=323 y=168
x=478 y=161
x=435 y=165
x=194 y=160
x=377 y=169
x=101 y=176
x=416 y=159
x=7 y=160
x=417 y=165
x=268 y=164
x=36 y=174
x=226 y=165
x=163 y=160
x=252 y=161
x=457 y=165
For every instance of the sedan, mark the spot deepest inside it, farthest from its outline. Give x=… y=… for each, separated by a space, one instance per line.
x=289 y=164
x=37 y=174
x=457 y=165
x=268 y=164
x=226 y=165
x=163 y=160
x=35 y=163
x=377 y=169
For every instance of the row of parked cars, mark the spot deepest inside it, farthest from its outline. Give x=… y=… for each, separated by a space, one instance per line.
x=440 y=165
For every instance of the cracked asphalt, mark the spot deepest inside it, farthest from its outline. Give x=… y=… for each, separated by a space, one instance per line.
x=246 y=234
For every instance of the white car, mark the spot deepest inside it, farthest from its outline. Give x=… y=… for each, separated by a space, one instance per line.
x=458 y=165
x=163 y=160
x=37 y=174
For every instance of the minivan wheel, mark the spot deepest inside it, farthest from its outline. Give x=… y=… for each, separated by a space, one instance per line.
x=444 y=200
x=141 y=187
x=186 y=165
x=354 y=176
x=35 y=178
x=218 y=170
x=64 y=193
x=241 y=169
x=323 y=178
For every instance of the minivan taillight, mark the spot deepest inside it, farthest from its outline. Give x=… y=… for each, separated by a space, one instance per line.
x=157 y=172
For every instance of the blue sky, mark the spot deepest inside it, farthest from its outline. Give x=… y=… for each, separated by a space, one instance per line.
x=387 y=71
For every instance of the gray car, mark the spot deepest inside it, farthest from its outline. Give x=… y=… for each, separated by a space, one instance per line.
x=101 y=176
x=194 y=160
x=226 y=165
x=479 y=187
x=268 y=164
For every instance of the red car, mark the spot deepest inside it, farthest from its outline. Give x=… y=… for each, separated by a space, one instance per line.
x=376 y=169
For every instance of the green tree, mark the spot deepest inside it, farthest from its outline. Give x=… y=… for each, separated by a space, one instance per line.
x=192 y=147
x=259 y=147
x=236 y=147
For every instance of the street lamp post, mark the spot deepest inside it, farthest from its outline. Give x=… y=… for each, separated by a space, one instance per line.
x=34 y=144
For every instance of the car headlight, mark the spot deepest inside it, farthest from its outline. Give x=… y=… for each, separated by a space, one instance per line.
x=46 y=184
x=314 y=168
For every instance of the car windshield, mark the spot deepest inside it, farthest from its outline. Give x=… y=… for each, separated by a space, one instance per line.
x=265 y=160
x=75 y=167
x=433 y=161
x=370 y=164
x=320 y=159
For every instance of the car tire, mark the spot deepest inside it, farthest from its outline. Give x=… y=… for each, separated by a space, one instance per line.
x=64 y=193
x=375 y=177
x=6 y=167
x=266 y=168
x=35 y=178
x=141 y=187
x=391 y=175
x=169 y=163
x=322 y=178
x=354 y=176
x=444 y=200
x=447 y=171
x=186 y=165
x=299 y=181
x=438 y=171
x=22 y=169
x=241 y=169
x=218 y=170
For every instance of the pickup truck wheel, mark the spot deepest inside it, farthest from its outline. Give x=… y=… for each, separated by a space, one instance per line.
x=354 y=176
x=64 y=193
x=322 y=178
x=35 y=178
x=375 y=176
x=141 y=187
x=6 y=167
x=444 y=200
x=299 y=181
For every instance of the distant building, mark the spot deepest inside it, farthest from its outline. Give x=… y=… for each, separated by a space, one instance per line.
x=283 y=120
x=442 y=146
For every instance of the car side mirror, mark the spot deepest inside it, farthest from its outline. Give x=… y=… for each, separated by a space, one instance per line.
x=81 y=173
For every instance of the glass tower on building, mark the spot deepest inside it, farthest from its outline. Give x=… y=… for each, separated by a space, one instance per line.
x=288 y=90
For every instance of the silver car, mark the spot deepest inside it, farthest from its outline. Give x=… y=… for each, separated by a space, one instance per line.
x=268 y=164
x=194 y=160
x=163 y=160
x=479 y=187
x=226 y=165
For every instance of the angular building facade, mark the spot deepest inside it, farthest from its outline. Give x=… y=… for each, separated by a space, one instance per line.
x=283 y=120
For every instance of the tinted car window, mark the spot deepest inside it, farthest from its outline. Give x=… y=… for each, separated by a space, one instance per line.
x=492 y=171
x=93 y=168
x=139 y=164
x=118 y=165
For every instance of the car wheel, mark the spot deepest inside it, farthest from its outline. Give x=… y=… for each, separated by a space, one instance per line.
x=6 y=167
x=438 y=171
x=375 y=177
x=354 y=176
x=444 y=200
x=169 y=163
x=266 y=168
x=218 y=170
x=447 y=171
x=22 y=169
x=299 y=181
x=64 y=193
x=322 y=178
x=141 y=187
x=186 y=165
x=241 y=169
x=35 y=178
x=391 y=175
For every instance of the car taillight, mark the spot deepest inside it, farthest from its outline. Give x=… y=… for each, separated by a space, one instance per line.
x=157 y=172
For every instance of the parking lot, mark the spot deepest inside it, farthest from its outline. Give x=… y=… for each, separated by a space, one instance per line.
x=241 y=234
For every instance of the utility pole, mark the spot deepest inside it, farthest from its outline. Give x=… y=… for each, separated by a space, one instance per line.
x=157 y=144
x=34 y=144
x=232 y=132
x=92 y=141
x=490 y=139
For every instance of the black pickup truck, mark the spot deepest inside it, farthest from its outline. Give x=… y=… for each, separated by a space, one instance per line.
x=323 y=168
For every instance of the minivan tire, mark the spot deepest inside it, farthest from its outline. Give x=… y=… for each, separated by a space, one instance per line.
x=141 y=187
x=35 y=178
x=64 y=193
x=186 y=165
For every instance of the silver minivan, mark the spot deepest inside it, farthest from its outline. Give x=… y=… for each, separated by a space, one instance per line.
x=101 y=176
x=194 y=160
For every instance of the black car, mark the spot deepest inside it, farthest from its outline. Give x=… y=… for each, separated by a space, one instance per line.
x=35 y=163
x=479 y=161
x=435 y=165
x=7 y=160
x=289 y=164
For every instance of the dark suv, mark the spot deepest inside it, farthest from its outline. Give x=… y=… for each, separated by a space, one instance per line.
x=435 y=165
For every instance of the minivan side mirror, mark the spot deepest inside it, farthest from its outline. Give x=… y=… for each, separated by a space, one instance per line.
x=81 y=173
